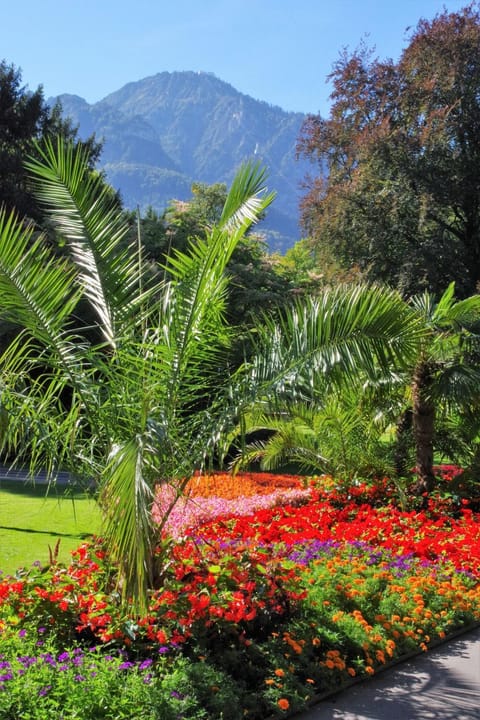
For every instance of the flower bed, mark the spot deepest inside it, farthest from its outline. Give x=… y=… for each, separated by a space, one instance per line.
x=273 y=595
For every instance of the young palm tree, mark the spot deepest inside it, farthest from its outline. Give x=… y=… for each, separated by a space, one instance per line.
x=337 y=436
x=137 y=395
x=131 y=400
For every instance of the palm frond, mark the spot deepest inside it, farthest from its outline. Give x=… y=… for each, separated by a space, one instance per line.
x=86 y=215
x=127 y=497
x=246 y=200
x=193 y=303
x=336 y=334
x=37 y=290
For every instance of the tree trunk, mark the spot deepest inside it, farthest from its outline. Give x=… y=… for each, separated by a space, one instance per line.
x=403 y=441
x=423 y=427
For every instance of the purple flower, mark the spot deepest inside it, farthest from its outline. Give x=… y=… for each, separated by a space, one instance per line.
x=145 y=664
x=43 y=691
x=126 y=665
x=7 y=676
x=64 y=656
x=162 y=650
x=4 y=664
x=48 y=659
x=22 y=633
x=79 y=678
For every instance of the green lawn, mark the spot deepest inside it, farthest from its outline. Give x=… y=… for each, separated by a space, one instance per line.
x=31 y=521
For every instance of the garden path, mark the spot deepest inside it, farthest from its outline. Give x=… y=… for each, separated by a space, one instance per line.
x=9 y=473
x=442 y=684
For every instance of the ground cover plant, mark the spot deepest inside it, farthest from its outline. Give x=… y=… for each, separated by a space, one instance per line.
x=279 y=589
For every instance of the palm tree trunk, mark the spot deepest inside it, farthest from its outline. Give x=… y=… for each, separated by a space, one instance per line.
x=423 y=427
x=403 y=443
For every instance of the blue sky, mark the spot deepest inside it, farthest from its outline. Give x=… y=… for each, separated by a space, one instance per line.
x=280 y=51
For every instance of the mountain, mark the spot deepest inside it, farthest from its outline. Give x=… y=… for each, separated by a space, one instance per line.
x=167 y=131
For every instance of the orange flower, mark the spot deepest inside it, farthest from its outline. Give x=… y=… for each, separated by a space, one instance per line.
x=279 y=672
x=351 y=671
x=369 y=670
x=283 y=704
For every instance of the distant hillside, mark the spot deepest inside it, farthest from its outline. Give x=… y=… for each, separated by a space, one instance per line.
x=166 y=131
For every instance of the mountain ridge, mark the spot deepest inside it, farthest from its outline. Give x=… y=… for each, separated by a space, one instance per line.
x=168 y=130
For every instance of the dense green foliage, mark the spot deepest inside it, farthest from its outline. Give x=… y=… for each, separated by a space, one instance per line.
x=399 y=160
x=256 y=279
x=339 y=429
x=24 y=119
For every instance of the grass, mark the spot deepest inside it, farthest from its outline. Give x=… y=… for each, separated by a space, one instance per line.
x=31 y=521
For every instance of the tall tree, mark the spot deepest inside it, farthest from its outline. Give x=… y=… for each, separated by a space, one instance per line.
x=399 y=188
x=24 y=119
x=115 y=405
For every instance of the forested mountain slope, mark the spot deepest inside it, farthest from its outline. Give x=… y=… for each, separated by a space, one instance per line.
x=166 y=131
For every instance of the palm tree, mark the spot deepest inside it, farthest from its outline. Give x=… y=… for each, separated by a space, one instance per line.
x=327 y=410
x=136 y=395
x=445 y=372
x=313 y=426
x=132 y=399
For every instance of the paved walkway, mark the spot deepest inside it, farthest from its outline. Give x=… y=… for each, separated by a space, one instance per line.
x=12 y=474
x=442 y=684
